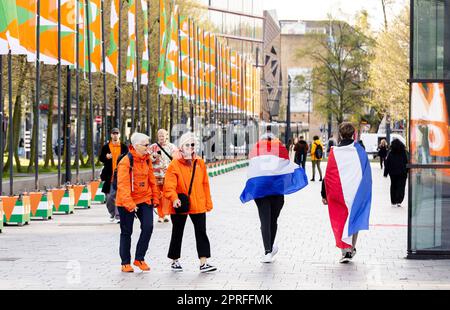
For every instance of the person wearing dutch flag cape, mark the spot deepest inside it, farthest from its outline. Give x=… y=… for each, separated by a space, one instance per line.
x=347 y=190
x=270 y=176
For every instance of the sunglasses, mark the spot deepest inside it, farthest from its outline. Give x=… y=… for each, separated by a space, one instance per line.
x=189 y=144
x=114 y=133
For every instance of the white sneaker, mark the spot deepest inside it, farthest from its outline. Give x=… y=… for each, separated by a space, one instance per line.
x=176 y=267
x=267 y=259
x=117 y=220
x=274 y=250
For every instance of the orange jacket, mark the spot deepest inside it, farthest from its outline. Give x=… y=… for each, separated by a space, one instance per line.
x=178 y=177
x=144 y=185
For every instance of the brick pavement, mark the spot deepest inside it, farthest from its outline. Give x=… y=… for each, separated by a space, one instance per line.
x=80 y=251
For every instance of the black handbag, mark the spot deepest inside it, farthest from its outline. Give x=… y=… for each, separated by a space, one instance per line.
x=184 y=208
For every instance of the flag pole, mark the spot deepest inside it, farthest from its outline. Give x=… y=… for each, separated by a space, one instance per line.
x=138 y=73
x=91 y=108
x=190 y=73
x=180 y=70
x=38 y=98
x=148 y=77
x=77 y=97
x=105 y=107
x=59 y=93
x=204 y=77
x=10 y=123
x=119 y=71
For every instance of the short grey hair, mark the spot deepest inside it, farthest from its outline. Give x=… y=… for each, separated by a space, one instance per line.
x=188 y=136
x=138 y=138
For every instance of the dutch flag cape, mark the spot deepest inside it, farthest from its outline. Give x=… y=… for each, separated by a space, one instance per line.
x=271 y=172
x=348 y=183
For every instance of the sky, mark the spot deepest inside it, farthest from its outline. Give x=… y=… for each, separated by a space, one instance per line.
x=341 y=9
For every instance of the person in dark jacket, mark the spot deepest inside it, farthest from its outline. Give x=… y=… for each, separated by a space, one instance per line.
x=301 y=149
x=382 y=152
x=395 y=167
x=109 y=155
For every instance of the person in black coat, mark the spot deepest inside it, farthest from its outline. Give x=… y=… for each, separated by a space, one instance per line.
x=108 y=154
x=382 y=151
x=395 y=167
x=301 y=149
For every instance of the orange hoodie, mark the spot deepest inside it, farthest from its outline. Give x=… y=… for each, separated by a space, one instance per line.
x=178 y=177
x=144 y=185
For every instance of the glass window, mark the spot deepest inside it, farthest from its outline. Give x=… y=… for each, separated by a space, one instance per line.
x=429 y=123
x=430 y=201
x=431 y=55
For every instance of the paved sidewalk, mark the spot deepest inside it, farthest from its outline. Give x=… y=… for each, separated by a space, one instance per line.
x=80 y=251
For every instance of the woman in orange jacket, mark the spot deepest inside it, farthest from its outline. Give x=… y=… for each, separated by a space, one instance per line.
x=137 y=194
x=178 y=178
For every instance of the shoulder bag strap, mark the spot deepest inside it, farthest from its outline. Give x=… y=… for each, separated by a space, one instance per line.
x=162 y=149
x=192 y=178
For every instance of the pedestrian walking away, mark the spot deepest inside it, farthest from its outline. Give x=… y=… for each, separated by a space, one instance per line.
x=110 y=153
x=382 y=152
x=316 y=157
x=161 y=156
x=395 y=167
x=137 y=195
x=347 y=190
x=187 y=176
x=270 y=176
x=301 y=152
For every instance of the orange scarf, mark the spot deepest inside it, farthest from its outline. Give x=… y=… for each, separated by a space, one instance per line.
x=115 y=152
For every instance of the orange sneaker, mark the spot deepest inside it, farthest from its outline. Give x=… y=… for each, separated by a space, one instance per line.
x=142 y=265
x=127 y=268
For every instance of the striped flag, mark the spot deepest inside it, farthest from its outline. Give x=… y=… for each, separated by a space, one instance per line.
x=131 y=50
x=145 y=60
x=348 y=183
x=112 y=54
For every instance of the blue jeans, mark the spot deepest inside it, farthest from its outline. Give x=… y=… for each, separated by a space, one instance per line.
x=145 y=216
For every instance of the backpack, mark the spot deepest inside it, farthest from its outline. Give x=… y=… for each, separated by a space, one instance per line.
x=318 y=153
x=114 y=181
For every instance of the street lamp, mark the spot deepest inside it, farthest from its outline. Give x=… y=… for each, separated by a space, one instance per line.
x=288 y=111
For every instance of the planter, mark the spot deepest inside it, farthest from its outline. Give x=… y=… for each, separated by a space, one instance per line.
x=1 y=217
x=63 y=201
x=96 y=192
x=16 y=210
x=41 y=206
x=82 y=196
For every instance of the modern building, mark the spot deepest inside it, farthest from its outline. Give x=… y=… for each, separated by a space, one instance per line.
x=429 y=173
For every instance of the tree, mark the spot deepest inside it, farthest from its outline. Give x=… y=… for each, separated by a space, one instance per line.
x=389 y=70
x=341 y=60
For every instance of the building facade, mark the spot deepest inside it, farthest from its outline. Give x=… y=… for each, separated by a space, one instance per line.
x=429 y=173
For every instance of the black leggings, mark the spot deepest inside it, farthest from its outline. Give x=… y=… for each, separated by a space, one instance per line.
x=269 y=209
x=178 y=223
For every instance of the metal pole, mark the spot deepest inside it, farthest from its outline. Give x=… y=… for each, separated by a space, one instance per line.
x=10 y=120
x=132 y=109
x=68 y=176
x=91 y=108
x=38 y=98
x=77 y=99
x=1 y=121
x=138 y=73
x=180 y=70
x=148 y=81
x=59 y=93
x=190 y=74
x=119 y=71
x=105 y=107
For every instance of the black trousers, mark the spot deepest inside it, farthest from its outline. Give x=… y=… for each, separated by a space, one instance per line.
x=382 y=160
x=269 y=209
x=398 y=183
x=178 y=223
x=145 y=216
